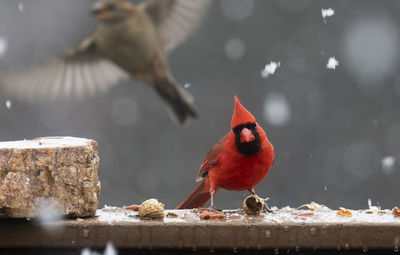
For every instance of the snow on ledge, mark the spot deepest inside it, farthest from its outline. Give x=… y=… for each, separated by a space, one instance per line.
x=285 y=215
x=46 y=142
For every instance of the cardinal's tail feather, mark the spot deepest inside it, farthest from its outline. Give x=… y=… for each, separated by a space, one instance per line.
x=199 y=197
x=178 y=102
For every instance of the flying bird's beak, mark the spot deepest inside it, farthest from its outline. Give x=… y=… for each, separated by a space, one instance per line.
x=246 y=136
x=98 y=11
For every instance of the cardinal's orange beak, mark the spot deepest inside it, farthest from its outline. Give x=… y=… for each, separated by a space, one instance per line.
x=246 y=136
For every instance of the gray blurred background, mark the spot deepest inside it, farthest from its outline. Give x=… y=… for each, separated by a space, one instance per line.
x=335 y=132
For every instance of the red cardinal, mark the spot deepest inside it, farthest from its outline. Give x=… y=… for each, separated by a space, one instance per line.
x=238 y=161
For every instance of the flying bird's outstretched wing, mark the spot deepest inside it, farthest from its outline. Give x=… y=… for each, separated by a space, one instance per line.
x=80 y=73
x=175 y=19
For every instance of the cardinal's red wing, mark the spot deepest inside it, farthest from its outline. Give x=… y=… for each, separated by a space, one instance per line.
x=211 y=160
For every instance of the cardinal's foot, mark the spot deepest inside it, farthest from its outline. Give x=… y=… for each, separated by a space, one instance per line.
x=266 y=207
x=214 y=209
x=210 y=209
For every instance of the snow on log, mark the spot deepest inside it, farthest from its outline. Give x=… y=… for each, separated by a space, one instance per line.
x=60 y=172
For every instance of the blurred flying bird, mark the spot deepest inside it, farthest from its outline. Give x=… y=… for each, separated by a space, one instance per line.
x=239 y=161
x=130 y=41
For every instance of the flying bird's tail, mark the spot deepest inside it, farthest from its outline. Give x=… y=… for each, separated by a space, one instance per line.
x=178 y=102
x=198 y=198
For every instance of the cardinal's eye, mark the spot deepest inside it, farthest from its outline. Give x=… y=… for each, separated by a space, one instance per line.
x=251 y=125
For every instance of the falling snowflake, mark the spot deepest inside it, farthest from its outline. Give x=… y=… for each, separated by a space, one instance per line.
x=371 y=50
x=388 y=164
x=327 y=13
x=109 y=250
x=270 y=69
x=187 y=85
x=3 y=46
x=277 y=109
x=8 y=104
x=235 y=48
x=21 y=7
x=48 y=212
x=332 y=63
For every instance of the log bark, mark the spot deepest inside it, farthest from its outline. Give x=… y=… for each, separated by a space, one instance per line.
x=56 y=171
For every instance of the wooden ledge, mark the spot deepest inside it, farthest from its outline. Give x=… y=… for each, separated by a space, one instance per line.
x=284 y=229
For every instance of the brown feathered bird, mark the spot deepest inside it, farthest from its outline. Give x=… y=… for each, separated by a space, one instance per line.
x=130 y=41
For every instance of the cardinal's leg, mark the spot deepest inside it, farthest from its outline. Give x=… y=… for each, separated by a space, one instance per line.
x=265 y=200
x=252 y=191
x=213 y=208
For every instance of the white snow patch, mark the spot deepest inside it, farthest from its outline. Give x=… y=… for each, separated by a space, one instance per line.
x=112 y=214
x=46 y=142
x=270 y=69
x=108 y=214
x=326 y=215
x=3 y=46
x=8 y=104
x=332 y=63
x=283 y=215
x=327 y=13
x=388 y=164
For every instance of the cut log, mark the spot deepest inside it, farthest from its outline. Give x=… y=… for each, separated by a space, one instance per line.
x=56 y=171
